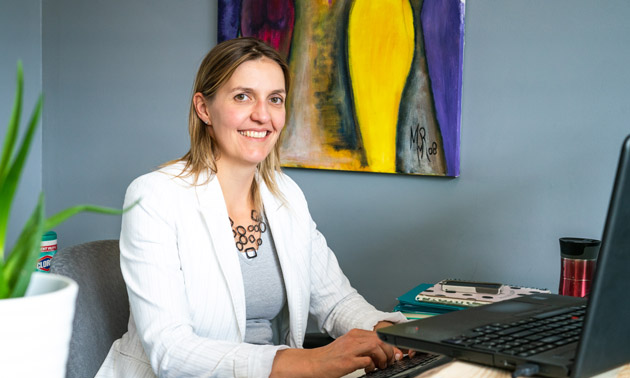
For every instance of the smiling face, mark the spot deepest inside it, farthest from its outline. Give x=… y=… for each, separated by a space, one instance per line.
x=247 y=113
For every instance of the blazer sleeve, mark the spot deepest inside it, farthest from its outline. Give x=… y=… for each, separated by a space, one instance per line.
x=157 y=295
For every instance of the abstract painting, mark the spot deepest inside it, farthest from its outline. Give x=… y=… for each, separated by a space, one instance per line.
x=376 y=85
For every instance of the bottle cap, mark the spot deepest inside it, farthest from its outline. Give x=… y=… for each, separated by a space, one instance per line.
x=50 y=235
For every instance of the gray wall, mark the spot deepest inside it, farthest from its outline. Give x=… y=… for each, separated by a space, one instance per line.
x=545 y=104
x=20 y=39
x=118 y=76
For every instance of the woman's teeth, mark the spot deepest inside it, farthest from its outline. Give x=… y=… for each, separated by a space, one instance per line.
x=253 y=134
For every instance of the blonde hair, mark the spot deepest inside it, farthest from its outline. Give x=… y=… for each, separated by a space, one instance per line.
x=215 y=70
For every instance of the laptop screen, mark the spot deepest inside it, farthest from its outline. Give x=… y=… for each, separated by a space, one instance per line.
x=605 y=341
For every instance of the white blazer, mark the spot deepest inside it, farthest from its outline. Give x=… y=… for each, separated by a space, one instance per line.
x=186 y=288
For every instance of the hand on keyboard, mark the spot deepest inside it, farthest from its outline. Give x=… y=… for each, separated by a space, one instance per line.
x=357 y=349
x=409 y=366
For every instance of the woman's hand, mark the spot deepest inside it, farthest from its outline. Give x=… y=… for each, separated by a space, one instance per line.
x=358 y=349
x=398 y=354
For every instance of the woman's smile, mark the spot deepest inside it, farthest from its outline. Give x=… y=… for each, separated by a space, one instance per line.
x=254 y=134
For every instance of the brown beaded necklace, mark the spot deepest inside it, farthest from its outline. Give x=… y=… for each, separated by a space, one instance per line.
x=243 y=236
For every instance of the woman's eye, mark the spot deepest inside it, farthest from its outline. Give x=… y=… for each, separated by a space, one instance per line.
x=277 y=100
x=241 y=97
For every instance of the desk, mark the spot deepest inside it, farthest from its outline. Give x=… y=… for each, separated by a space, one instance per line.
x=459 y=369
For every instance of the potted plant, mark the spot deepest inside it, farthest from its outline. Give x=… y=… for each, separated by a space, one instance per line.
x=36 y=309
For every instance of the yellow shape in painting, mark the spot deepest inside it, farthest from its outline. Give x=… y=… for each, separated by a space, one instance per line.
x=380 y=51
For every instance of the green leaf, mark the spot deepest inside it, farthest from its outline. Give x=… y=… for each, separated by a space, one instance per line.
x=12 y=178
x=7 y=152
x=21 y=262
x=14 y=124
x=61 y=216
x=15 y=276
x=4 y=285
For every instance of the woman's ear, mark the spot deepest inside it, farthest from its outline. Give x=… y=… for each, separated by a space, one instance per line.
x=201 y=107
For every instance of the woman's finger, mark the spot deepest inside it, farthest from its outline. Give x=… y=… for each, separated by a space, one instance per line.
x=398 y=354
x=379 y=357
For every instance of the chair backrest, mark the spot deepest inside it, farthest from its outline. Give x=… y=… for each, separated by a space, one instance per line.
x=102 y=311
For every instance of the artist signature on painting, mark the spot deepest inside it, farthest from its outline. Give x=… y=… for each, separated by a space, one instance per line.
x=418 y=141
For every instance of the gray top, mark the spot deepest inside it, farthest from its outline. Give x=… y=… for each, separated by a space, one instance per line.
x=265 y=295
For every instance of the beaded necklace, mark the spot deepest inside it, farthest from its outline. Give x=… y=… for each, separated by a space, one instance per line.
x=243 y=236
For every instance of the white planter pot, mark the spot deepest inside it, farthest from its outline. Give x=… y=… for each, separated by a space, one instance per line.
x=35 y=330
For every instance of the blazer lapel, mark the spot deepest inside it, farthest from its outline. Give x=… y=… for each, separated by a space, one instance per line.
x=293 y=270
x=213 y=209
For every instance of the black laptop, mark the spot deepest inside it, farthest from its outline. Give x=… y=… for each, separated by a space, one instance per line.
x=546 y=334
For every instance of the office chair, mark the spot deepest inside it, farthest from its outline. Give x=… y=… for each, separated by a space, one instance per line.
x=102 y=310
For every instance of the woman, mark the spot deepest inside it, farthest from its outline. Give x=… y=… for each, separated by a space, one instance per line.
x=221 y=258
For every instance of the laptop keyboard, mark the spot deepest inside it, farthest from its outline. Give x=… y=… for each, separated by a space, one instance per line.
x=527 y=337
x=409 y=367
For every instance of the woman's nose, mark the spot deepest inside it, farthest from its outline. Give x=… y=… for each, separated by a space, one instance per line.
x=261 y=113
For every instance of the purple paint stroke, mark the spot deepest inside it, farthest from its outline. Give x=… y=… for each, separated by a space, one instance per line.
x=443 y=28
x=269 y=20
x=229 y=19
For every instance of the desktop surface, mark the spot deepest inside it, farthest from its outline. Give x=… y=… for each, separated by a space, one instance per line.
x=458 y=369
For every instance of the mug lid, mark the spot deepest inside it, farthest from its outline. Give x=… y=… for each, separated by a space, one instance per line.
x=579 y=248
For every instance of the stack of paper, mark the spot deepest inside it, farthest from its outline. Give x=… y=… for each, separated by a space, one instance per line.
x=413 y=309
x=427 y=300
